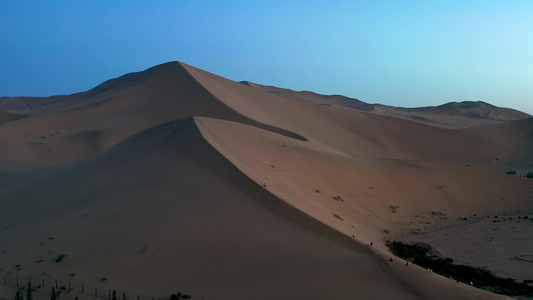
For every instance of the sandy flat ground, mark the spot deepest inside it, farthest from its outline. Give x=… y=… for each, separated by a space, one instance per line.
x=493 y=243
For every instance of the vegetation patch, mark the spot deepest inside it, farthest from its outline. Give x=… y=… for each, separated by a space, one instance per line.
x=477 y=277
x=338 y=198
x=60 y=258
x=338 y=217
x=438 y=213
x=179 y=296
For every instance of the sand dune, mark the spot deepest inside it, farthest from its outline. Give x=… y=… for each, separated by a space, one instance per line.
x=170 y=220
x=450 y=115
x=333 y=100
x=175 y=179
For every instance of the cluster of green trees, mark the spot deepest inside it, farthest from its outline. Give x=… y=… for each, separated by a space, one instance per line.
x=477 y=277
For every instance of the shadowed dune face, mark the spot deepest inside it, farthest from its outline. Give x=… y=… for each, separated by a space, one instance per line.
x=175 y=179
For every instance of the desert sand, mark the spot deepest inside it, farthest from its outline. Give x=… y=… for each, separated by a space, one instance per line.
x=178 y=180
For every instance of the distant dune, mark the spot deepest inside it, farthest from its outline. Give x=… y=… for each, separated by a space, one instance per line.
x=450 y=115
x=333 y=100
x=178 y=180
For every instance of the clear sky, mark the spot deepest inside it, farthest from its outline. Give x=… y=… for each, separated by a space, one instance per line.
x=401 y=53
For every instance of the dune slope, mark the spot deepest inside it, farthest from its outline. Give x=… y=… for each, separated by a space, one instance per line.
x=163 y=211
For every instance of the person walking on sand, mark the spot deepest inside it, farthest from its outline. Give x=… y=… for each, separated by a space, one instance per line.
x=53 y=295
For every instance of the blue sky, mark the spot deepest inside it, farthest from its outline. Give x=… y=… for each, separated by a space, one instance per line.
x=401 y=53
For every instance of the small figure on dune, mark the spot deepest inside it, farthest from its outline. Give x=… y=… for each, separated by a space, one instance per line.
x=53 y=295
x=391 y=259
x=406 y=262
x=264 y=185
x=371 y=244
x=353 y=235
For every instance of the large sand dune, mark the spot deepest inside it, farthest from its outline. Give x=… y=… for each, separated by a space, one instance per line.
x=175 y=179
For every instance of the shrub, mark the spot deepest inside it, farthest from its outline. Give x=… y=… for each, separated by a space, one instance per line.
x=60 y=257
x=338 y=217
x=179 y=296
